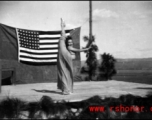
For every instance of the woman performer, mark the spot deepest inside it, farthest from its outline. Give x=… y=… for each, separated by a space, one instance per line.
x=64 y=62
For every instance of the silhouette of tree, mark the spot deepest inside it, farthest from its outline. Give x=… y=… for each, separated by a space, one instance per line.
x=107 y=67
x=91 y=60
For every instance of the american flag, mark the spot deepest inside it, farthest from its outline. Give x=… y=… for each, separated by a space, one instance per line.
x=38 y=46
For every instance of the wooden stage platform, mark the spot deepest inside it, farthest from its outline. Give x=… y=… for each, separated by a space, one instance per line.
x=82 y=90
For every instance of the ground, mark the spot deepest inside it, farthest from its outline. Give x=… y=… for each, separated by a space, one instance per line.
x=82 y=90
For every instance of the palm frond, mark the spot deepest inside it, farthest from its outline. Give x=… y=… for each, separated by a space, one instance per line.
x=94 y=47
x=86 y=38
x=93 y=38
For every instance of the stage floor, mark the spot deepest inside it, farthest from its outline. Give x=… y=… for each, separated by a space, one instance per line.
x=82 y=90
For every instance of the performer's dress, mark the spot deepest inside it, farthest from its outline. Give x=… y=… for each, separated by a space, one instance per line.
x=65 y=68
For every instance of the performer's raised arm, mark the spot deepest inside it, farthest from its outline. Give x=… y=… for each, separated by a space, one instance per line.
x=62 y=28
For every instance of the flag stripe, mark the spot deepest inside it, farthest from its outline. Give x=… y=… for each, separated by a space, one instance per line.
x=55 y=48
x=50 y=35
x=48 y=46
x=42 y=53
x=39 y=51
x=53 y=32
x=38 y=56
x=49 y=41
x=49 y=38
x=38 y=63
x=34 y=58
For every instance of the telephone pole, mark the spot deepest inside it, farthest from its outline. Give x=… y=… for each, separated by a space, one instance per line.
x=90 y=20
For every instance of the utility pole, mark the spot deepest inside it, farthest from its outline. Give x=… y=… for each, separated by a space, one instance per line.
x=90 y=33
x=90 y=20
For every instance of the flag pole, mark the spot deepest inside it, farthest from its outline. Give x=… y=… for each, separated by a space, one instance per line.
x=90 y=20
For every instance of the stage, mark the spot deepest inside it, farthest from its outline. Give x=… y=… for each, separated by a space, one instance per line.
x=82 y=90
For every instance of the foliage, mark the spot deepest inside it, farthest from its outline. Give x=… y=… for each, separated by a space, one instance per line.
x=91 y=60
x=46 y=108
x=107 y=67
x=11 y=107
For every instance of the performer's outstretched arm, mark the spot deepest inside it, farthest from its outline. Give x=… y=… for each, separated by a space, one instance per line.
x=77 y=50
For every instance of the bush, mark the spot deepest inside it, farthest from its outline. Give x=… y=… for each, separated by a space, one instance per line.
x=107 y=67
